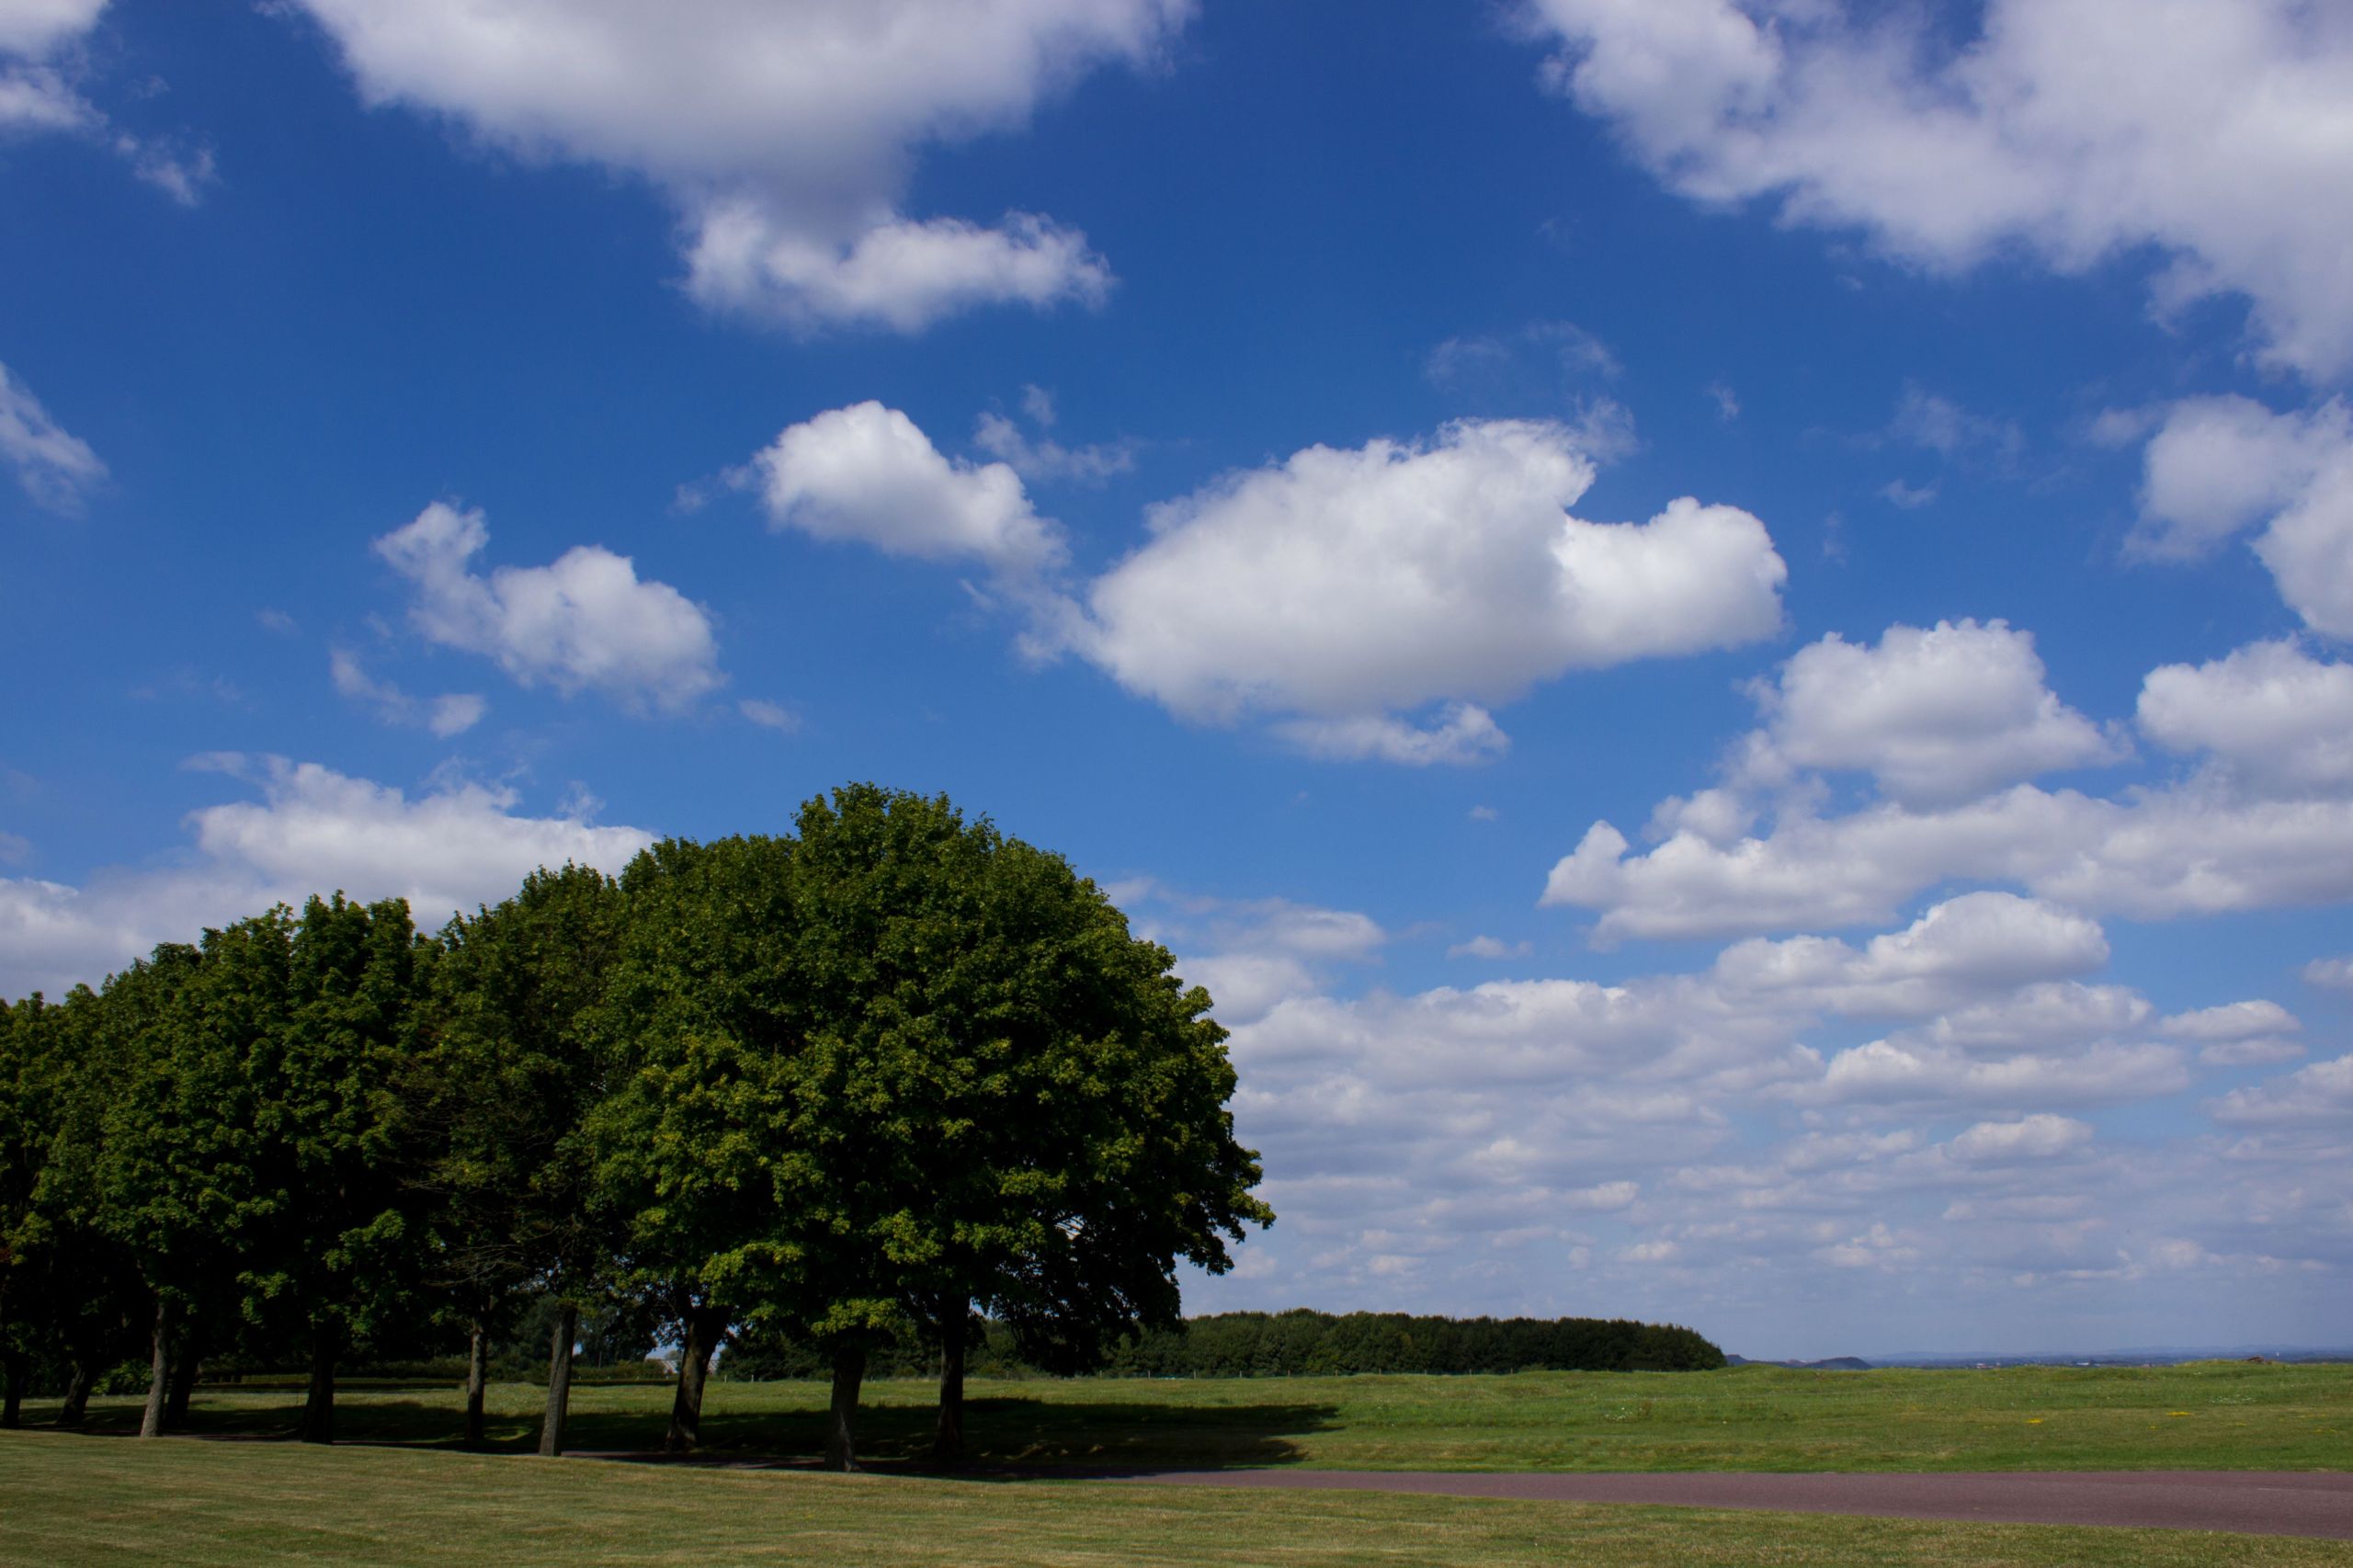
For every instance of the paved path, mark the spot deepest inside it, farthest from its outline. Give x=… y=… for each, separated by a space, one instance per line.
x=2251 y=1502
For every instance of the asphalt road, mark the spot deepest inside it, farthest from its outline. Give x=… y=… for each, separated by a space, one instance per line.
x=2246 y=1502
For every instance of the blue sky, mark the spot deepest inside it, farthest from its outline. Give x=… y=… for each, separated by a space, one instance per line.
x=1720 y=627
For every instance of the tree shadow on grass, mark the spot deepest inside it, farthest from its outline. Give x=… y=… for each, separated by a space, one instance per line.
x=1013 y=1434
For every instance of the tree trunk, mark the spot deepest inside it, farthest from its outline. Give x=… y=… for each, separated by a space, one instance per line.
x=567 y=1331
x=477 y=1380
x=159 y=1373
x=20 y=1372
x=317 y=1425
x=76 y=1407
x=186 y=1367
x=704 y=1325
x=948 y=1439
x=841 y=1427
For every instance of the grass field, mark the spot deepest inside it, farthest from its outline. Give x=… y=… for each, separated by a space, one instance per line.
x=76 y=1500
x=2211 y=1415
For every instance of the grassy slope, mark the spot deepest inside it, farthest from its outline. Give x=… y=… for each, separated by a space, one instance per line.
x=68 y=1500
x=2217 y=1415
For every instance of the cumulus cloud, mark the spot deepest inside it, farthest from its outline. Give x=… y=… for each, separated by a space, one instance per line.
x=1365 y=603
x=2039 y=1137
x=2322 y=1092
x=2277 y=719
x=1937 y=717
x=1955 y=950
x=53 y=467
x=785 y=134
x=312 y=830
x=35 y=93
x=2238 y=1034
x=2218 y=466
x=584 y=622
x=2334 y=973
x=1346 y=588
x=2156 y=856
x=2073 y=130
x=1043 y=459
x=452 y=713
x=867 y=473
x=2099 y=1074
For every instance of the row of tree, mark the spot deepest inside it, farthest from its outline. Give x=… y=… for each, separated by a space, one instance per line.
x=895 y=1067
x=1302 y=1343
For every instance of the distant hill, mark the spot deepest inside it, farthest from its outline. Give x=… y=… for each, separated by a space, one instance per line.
x=1834 y=1364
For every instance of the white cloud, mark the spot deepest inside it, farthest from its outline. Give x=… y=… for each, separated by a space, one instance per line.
x=1954 y=951
x=34 y=95
x=37 y=26
x=867 y=473
x=1488 y=948
x=1045 y=460
x=2334 y=973
x=312 y=831
x=2157 y=854
x=2037 y=1137
x=2074 y=130
x=1885 y=1071
x=2220 y=465
x=2277 y=719
x=2231 y=1021
x=54 y=467
x=1463 y=733
x=40 y=76
x=1359 y=585
x=450 y=714
x=769 y=715
x=1365 y=603
x=1936 y=424
x=2322 y=1092
x=785 y=133
x=585 y=621
x=1937 y=716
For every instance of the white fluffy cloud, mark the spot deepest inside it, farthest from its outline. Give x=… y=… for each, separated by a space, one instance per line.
x=2238 y=1034
x=1364 y=603
x=2156 y=856
x=2220 y=465
x=2078 y=129
x=1341 y=588
x=1937 y=716
x=35 y=96
x=868 y=473
x=2279 y=719
x=2320 y=1094
x=785 y=131
x=2334 y=973
x=54 y=467
x=2040 y=1137
x=311 y=830
x=586 y=622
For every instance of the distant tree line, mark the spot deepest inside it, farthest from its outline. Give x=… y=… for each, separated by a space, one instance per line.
x=894 y=1072
x=1299 y=1343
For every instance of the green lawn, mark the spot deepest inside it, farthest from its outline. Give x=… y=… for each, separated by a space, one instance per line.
x=78 y=1500
x=2215 y=1415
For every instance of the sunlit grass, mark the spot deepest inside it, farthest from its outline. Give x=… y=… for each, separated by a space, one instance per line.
x=2213 y=1416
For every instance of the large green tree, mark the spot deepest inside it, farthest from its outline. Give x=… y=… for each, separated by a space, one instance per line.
x=178 y=1159
x=704 y=1025
x=1004 y=1099
x=338 y=1265
x=510 y=1077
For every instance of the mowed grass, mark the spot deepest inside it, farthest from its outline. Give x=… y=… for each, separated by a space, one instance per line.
x=82 y=1500
x=2211 y=1415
